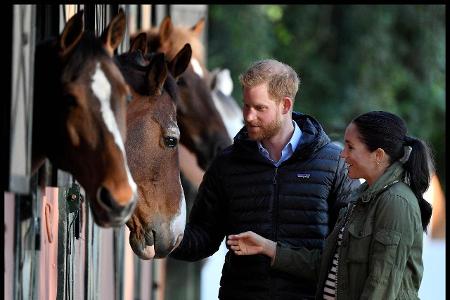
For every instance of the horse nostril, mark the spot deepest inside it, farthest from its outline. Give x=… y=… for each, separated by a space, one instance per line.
x=105 y=197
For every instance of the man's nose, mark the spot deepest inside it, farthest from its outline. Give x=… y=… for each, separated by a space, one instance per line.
x=249 y=115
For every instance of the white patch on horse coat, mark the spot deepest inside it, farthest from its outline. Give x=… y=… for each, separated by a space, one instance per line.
x=179 y=222
x=197 y=67
x=226 y=105
x=224 y=83
x=102 y=89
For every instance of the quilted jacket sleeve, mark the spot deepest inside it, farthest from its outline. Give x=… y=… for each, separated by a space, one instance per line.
x=204 y=230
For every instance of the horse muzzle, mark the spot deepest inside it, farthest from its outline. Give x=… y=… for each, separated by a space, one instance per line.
x=154 y=244
x=107 y=212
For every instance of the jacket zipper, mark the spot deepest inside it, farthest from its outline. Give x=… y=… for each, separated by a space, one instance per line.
x=275 y=203
x=275 y=219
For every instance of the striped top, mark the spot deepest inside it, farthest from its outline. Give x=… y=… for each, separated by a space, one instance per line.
x=329 y=290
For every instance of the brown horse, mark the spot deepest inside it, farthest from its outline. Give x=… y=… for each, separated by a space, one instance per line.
x=79 y=116
x=157 y=225
x=168 y=38
x=202 y=130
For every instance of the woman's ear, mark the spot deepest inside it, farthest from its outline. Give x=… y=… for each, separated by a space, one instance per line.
x=380 y=155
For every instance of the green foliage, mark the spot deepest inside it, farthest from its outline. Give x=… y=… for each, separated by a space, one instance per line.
x=350 y=58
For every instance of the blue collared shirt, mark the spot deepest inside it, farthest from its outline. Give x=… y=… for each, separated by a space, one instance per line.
x=288 y=150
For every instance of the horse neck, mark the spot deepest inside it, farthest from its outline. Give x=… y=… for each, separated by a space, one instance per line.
x=45 y=95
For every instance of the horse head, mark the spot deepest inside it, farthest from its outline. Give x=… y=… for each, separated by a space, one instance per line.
x=157 y=225
x=202 y=129
x=170 y=39
x=79 y=116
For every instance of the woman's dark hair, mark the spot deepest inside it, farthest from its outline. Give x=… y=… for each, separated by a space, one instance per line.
x=380 y=129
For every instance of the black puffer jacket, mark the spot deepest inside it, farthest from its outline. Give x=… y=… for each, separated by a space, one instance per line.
x=296 y=204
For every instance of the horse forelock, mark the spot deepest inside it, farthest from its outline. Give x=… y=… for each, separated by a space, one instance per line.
x=164 y=114
x=88 y=51
x=170 y=86
x=134 y=71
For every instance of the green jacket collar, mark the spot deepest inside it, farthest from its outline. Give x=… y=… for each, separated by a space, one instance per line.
x=392 y=175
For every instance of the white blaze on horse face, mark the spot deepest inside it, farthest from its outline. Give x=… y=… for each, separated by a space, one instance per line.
x=197 y=67
x=102 y=89
x=179 y=222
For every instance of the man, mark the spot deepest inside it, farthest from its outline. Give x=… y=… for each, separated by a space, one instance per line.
x=282 y=178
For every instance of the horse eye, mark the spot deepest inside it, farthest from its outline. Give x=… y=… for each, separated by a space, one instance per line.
x=170 y=142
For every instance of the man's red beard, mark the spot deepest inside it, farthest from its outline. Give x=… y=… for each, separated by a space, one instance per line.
x=261 y=132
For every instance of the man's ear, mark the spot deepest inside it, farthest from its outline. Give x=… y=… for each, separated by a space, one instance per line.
x=287 y=104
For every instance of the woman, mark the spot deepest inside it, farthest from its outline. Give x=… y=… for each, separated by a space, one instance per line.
x=375 y=249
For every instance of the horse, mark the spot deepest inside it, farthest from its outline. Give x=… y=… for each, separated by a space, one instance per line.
x=79 y=116
x=229 y=110
x=157 y=225
x=203 y=131
x=168 y=38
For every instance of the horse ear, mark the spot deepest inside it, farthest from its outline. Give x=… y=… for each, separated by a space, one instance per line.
x=113 y=34
x=157 y=74
x=72 y=33
x=139 y=43
x=165 y=29
x=181 y=61
x=198 y=28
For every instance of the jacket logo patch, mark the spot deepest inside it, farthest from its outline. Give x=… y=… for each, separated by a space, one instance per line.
x=300 y=175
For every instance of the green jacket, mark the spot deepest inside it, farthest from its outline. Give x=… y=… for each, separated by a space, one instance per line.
x=381 y=253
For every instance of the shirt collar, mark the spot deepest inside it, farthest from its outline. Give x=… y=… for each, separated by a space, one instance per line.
x=288 y=150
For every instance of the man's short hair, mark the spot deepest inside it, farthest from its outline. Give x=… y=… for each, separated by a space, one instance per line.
x=281 y=79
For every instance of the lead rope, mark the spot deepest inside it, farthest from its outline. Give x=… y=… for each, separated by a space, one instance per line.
x=73 y=205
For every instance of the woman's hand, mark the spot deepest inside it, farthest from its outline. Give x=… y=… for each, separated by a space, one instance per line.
x=249 y=243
